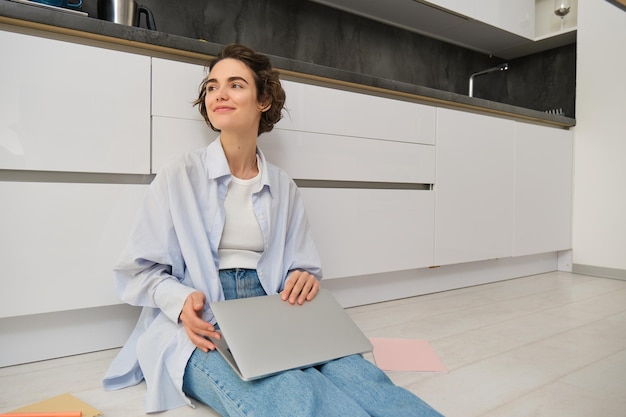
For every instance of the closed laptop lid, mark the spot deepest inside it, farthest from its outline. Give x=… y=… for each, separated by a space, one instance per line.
x=265 y=335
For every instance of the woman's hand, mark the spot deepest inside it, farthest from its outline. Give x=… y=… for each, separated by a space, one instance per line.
x=196 y=328
x=300 y=287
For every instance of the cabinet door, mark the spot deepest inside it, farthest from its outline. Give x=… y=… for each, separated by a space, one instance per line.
x=474 y=214
x=70 y=107
x=543 y=189
x=316 y=109
x=364 y=231
x=60 y=243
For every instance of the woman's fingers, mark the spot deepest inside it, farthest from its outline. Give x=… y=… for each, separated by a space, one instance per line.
x=300 y=287
x=196 y=328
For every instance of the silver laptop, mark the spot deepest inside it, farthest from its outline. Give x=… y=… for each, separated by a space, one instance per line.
x=262 y=336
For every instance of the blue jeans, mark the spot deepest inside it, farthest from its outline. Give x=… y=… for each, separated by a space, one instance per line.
x=349 y=386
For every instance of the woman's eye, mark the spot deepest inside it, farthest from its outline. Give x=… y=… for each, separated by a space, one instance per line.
x=237 y=85
x=211 y=88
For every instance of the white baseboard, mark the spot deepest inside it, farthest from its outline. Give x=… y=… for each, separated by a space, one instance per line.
x=39 y=337
x=376 y=288
x=599 y=271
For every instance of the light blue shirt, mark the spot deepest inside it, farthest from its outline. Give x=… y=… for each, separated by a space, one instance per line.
x=172 y=251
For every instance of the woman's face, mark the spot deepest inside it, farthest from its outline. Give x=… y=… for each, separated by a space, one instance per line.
x=231 y=98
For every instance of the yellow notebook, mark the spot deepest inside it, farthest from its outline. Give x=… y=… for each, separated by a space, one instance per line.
x=65 y=402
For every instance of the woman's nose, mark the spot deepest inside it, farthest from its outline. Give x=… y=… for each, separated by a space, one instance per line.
x=220 y=94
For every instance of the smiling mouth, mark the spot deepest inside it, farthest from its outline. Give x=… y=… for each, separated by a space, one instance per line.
x=222 y=109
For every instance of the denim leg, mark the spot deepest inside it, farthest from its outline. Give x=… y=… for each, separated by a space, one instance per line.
x=372 y=389
x=298 y=393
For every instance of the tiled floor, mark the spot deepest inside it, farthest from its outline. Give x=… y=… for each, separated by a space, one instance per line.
x=546 y=345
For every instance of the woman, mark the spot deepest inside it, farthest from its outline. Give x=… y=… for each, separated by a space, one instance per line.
x=223 y=223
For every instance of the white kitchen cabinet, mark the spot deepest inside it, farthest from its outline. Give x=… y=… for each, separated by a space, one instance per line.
x=461 y=7
x=177 y=125
x=60 y=243
x=72 y=107
x=504 y=28
x=172 y=137
x=175 y=86
x=325 y=134
x=543 y=189
x=364 y=231
x=515 y=16
x=330 y=111
x=474 y=193
x=306 y=155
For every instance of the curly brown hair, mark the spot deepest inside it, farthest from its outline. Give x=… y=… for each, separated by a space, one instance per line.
x=269 y=89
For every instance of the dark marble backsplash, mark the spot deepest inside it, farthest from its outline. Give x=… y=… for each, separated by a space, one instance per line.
x=541 y=81
x=310 y=32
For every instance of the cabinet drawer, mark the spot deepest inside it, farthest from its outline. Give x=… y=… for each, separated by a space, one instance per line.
x=175 y=88
x=307 y=155
x=61 y=242
x=70 y=107
x=330 y=111
x=362 y=231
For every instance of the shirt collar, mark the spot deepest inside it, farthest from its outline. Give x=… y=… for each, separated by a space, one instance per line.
x=217 y=164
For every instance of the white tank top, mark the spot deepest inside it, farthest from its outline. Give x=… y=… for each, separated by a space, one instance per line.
x=241 y=244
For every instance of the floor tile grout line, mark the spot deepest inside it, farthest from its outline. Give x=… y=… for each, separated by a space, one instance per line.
x=553 y=335
x=507 y=301
x=552 y=381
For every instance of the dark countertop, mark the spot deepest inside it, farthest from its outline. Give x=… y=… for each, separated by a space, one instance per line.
x=29 y=16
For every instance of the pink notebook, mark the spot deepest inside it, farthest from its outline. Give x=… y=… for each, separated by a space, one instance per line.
x=406 y=355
